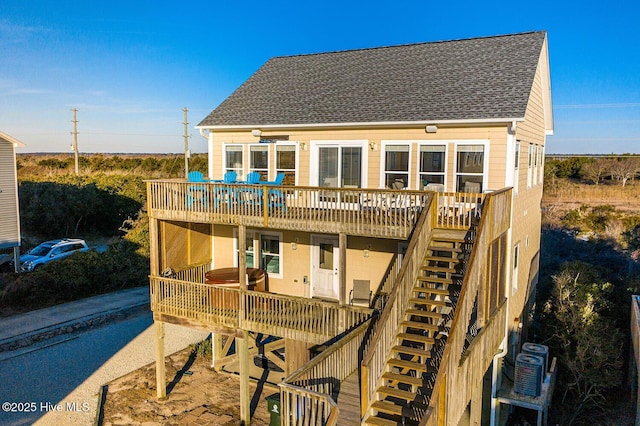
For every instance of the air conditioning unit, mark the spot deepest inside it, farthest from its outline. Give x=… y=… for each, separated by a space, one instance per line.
x=529 y=375
x=539 y=350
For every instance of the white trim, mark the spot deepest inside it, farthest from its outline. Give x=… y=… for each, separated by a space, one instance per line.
x=14 y=141
x=262 y=145
x=446 y=160
x=257 y=249
x=383 y=160
x=224 y=158
x=485 y=166
x=314 y=157
x=314 y=246
x=382 y=124
x=296 y=145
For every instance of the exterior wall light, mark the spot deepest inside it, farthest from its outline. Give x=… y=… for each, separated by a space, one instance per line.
x=431 y=129
x=257 y=133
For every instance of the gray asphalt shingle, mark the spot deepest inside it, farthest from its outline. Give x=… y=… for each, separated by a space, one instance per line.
x=480 y=78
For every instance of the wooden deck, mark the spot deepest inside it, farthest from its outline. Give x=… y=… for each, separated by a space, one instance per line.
x=362 y=211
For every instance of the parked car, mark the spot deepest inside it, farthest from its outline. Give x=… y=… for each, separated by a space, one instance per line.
x=50 y=251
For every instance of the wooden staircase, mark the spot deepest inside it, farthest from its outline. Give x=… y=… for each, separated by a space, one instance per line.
x=411 y=368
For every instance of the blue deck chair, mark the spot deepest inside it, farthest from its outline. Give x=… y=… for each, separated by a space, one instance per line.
x=223 y=192
x=276 y=196
x=251 y=195
x=197 y=193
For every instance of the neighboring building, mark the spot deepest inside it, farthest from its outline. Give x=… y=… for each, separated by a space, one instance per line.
x=9 y=209
x=414 y=171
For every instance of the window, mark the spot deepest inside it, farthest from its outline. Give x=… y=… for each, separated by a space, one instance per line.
x=259 y=160
x=396 y=166
x=432 y=161
x=470 y=168
x=233 y=159
x=516 y=172
x=264 y=251
x=270 y=253
x=286 y=163
x=541 y=174
x=529 y=172
x=516 y=258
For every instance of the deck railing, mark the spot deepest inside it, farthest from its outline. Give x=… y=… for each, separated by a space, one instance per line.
x=389 y=322
x=456 y=210
x=292 y=317
x=355 y=211
x=309 y=394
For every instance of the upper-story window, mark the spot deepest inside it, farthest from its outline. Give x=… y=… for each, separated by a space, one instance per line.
x=233 y=160
x=516 y=172
x=432 y=162
x=470 y=168
x=529 y=171
x=396 y=166
x=259 y=160
x=286 y=163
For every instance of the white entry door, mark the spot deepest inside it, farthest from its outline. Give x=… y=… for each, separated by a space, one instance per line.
x=325 y=282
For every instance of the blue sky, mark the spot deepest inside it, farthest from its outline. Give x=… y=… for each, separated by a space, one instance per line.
x=129 y=67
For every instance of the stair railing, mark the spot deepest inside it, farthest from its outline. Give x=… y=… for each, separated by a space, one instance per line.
x=495 y=220
x=379 y=346
x=309 y=394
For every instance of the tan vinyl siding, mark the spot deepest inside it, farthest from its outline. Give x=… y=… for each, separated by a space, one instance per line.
x=9 y=225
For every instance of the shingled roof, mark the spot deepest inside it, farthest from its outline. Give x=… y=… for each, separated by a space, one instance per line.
x=481 y=78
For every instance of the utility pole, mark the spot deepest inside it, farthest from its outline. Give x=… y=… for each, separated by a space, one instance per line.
x=186 y=144
x=75 y=138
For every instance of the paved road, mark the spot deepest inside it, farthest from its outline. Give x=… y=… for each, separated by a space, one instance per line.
x=66 y=372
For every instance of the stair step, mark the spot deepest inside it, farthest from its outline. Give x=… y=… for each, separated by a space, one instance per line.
x=403 y=378
x=423 y=313
x=404 y=365
x=449 y=249
x=441 y=259
x=430 y=290
x=409 y=350
x=447 y=240
x=439 y=269
x=419 y=325
x=418 y=301
x=377 y=421
x=436 y=279
x=397 y=393
x=387 y=407
x=415 y=338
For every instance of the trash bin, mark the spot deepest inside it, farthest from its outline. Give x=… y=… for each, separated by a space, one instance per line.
x=273 y=405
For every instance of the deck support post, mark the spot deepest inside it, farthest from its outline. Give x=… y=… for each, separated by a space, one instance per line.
x=216 y=350
x=161 y=379
x=242 y=258
x=245 y=395
x=342 y=275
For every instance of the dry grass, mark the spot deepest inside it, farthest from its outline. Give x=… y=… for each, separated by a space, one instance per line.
x=570 y=195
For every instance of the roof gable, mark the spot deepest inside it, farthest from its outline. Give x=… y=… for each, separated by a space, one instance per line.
x=473 y=79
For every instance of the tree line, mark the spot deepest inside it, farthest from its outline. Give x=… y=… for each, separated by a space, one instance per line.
x=619 y=170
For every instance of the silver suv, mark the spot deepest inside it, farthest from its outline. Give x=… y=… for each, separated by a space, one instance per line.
x=50 y=251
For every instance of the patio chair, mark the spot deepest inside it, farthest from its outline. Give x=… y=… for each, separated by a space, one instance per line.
x=224 y=192
x=360 y=293
x=197 y=193
x=472 y=187
x=277 y=196
x=250 y=195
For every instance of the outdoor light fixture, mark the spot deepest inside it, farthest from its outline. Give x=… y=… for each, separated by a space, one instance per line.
x=373 y=146
x=257 y=133
x=431 y=129
x=303 y=146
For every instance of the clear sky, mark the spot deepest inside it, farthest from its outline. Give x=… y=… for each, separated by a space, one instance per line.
x=129 y=67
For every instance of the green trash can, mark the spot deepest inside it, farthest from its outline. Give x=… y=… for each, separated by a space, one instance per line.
x=273 y=405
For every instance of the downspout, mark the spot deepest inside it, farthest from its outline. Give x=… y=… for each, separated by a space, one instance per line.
x=505 y=341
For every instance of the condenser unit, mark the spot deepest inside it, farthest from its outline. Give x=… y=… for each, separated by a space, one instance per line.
x=539 y=350
x=529 y=374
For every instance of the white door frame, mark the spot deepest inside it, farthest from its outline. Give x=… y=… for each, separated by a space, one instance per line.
x=315 y=270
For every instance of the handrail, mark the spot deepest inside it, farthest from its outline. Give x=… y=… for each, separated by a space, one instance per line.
x=280 y=315
x=389 y=322
x=357 y=211
x=495 y=220
x=318 y=381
